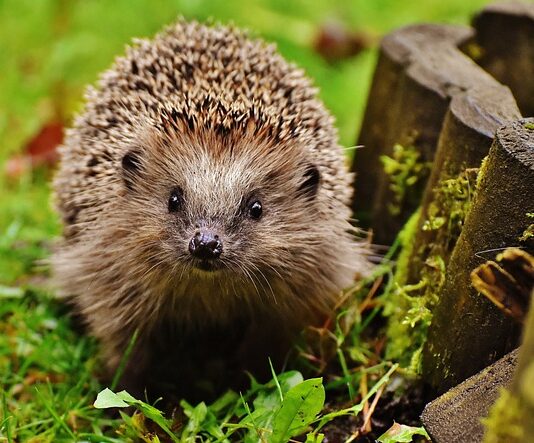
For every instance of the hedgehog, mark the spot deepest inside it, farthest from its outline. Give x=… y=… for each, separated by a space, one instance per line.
x=202 y=187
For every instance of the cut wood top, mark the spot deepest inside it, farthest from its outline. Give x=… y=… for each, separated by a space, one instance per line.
x=455 y=416
x=485 y=109
x=514 y=8
x=517 y=139
x=430 y=54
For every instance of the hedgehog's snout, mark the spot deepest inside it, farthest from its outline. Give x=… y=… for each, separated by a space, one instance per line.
x=205 y=245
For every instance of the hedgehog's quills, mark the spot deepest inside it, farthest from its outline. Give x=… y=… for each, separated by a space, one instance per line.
x=202 y=187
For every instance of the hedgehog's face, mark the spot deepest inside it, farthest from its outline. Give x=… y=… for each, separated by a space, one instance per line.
x=244 y=212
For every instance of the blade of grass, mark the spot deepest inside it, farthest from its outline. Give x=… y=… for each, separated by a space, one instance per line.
x=275 y=378
x=59 y=421
x=124 y=360
x=6 y=418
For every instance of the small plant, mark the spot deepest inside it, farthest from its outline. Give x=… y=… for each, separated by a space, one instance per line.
x=409 y=304
x=450 y=205
x=405 y=169
x=286 y=407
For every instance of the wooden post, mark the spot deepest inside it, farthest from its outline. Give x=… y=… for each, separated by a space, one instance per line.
x=468 y=332
x=504 y=46
x=405 y=103
x=455 y=417
x=467 y=134
x=419 y=70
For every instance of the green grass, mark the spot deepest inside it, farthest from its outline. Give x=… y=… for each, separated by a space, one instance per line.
x=48 y=371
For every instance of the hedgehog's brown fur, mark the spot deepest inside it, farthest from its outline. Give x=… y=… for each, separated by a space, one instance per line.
x=221 y=116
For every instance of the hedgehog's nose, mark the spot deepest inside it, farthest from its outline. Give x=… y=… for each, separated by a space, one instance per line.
x=205 y=245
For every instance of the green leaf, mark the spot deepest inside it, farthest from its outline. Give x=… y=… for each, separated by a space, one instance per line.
x=156 y=416
x=226 y=401
x=108 y=399
x=9 y=292
x=267 y=403
x=401 y=434
x=289 y=379
x=301 y=405
x=268 y=399
x=196 y=415
x=314 y=438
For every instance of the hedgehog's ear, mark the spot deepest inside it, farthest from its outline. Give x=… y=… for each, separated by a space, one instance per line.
x=131 y=167
x=311 y=181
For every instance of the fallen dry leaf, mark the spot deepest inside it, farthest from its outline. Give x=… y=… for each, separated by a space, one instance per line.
x=41 y=150
x=507 y=282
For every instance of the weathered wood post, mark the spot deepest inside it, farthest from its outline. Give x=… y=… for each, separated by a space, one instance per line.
x=420 y=69
x=468 y=332
x=406 y=104
x=456 y=416
x=504 y=47
x=467 y=134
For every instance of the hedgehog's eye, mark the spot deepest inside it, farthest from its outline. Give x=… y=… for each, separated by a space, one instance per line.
x=255 y=209
x=176 y=199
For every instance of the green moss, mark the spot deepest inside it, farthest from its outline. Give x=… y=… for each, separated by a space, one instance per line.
x=529 y=231
x=529 y=126
x=504 y=421
x=396 y=299
x=406 y=170
x=474 y=50
x=409 y=306
x=407 y=243
x=410 y=314
x=482 y=171
x=526 y=382
x=447 y=211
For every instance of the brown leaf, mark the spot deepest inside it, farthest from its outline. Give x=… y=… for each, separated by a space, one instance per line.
x=508 y=282
x=334 y=42
x=41 y=150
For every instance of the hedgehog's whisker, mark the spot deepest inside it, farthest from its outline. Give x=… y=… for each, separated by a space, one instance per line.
x=266 y=280
x=249 y=277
